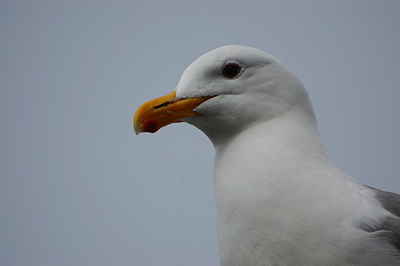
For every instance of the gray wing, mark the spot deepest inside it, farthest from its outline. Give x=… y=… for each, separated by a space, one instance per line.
x=391 y=202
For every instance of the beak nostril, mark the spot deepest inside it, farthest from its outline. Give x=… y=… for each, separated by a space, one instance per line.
x=162 y=105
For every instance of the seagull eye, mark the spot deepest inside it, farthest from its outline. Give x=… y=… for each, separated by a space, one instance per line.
x=231 y=70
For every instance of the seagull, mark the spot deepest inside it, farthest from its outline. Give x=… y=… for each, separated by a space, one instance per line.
x=280 y=200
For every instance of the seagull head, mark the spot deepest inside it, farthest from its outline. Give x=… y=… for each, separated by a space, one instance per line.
x=225 y=91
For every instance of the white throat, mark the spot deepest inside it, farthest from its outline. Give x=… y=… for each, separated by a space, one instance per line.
x=265 y=186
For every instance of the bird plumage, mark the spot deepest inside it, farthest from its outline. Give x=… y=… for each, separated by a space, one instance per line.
x=280 y=200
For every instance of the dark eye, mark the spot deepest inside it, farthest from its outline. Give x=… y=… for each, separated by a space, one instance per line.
x=231 y=70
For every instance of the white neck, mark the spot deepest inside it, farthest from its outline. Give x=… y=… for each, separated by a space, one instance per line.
x=264 y=185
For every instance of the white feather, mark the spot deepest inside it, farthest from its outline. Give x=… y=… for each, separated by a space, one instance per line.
x=280 y=200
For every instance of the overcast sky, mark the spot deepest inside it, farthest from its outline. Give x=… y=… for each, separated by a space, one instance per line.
x=78 y=187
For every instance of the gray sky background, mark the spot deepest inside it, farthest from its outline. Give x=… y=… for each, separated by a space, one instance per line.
x=78 y=187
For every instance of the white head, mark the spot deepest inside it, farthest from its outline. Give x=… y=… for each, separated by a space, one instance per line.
x=259 y=87
x=233 y=87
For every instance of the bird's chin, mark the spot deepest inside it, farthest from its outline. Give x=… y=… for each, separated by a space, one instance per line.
x=199 y=121
x=194 y=120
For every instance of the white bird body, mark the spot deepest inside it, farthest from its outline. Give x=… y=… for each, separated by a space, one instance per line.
x=280 y=200
x=300 y=211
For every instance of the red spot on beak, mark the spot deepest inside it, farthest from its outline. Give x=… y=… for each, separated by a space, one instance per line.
x=150 y=126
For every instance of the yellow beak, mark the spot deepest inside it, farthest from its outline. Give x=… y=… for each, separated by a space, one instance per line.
x=162 y=111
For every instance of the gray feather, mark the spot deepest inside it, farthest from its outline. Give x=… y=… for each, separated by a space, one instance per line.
x=391 y=202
